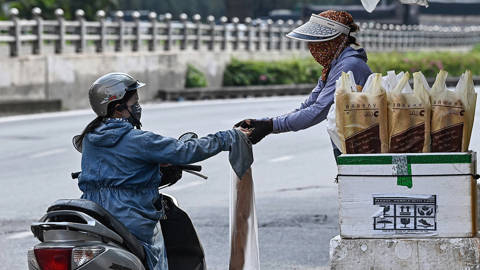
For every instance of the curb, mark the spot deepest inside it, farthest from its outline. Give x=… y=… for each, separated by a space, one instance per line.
x=29 y=106
x=234 y=92
x=258 y=90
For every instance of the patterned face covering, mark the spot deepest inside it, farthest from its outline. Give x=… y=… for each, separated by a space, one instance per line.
x=324 y=52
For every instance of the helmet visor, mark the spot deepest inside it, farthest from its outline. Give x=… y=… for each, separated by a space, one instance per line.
x=135 y=86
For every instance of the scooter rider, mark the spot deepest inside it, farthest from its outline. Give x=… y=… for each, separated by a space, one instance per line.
x=120 y=163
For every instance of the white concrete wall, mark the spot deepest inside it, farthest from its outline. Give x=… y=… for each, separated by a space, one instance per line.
x=68 y=77
x=403 y=254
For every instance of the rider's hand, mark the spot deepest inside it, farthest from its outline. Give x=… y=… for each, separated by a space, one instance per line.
x=261 y=128
x=170 y=174
x=245 y=131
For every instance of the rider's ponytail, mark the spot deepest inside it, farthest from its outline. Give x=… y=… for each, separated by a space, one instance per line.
x=78 y=139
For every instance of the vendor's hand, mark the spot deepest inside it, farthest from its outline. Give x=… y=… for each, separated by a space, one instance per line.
x=246 y=123
x=260 y=129
x=170 y=174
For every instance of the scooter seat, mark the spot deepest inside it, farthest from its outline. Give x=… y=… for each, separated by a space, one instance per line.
x=103 y=216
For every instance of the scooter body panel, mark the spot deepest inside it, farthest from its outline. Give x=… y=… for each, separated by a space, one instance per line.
x=57 y=229
x=111 y=258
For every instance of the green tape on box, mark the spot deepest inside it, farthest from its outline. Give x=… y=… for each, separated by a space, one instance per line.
x=403 y=170
x=406 y=180
x=403 y=163
x=413 y=159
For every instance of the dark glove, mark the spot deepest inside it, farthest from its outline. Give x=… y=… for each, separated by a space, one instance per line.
x=244 y=123
x=261 y=128
x=170 y=174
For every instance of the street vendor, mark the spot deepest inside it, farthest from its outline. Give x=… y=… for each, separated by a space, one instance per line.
x=329 y=40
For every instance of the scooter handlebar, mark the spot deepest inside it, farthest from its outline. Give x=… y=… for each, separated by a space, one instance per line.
x=195 y=168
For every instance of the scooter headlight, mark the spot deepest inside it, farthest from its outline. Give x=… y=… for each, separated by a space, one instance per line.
x=82 y=255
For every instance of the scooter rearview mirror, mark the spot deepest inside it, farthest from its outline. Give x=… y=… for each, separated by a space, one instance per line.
x=187 y=136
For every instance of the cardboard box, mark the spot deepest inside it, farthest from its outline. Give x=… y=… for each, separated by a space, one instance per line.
x=407 y=195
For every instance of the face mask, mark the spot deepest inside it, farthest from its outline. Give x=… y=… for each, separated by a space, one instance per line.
x=137 y=111
x=325 y=52
x=135 y=115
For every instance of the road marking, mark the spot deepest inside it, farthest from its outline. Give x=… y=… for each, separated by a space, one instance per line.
x=48 y=153
x=20 y=235
x=16 y=118
x=180 y=187
x=163 y=105
x=302 y=188
x=281 y=159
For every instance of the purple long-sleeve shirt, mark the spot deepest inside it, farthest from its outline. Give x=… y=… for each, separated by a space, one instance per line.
x=315 y=108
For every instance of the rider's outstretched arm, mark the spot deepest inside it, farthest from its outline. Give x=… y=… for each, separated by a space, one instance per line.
x=165 y=150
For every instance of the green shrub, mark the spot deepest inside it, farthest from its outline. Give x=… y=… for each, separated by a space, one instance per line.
x=476 y=48
x=195 y=78
x=294 y=71
x=239 y=73
x=429 y=63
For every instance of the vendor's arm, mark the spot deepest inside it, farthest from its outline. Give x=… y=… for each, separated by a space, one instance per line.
x=316 y=112
x=308 y=101
x=312 y=97
x=165 y=150
x=310 y=114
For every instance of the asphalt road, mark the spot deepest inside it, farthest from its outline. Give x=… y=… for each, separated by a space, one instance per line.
x=293 y=173
x=296 y=196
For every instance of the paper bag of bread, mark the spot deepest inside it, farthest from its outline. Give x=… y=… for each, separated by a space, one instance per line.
x=409 y=117
x=452 y=113
x=332 y=128
x=361 y=117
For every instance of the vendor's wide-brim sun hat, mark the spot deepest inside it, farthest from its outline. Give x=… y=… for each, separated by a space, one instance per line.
x=319 y=29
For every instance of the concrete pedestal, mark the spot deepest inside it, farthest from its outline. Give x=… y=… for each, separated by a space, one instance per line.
x=418 y=254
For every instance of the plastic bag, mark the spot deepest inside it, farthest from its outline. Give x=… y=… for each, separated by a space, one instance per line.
x=388 y=82
x=415 y=2
x=391 y=80
x=452 y=113
x=244 y=252
x=423 y=81
x=361 y=117
x=332 y=129
x=409 y=117
x=370 y=5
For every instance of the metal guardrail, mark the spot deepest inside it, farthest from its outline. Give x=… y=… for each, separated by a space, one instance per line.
x=117 y=35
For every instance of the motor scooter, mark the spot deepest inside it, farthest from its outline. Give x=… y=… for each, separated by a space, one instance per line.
x=80 y=234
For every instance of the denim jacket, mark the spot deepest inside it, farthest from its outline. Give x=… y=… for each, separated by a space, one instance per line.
x=120 y=170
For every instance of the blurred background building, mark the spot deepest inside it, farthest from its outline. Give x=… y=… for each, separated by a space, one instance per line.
x=178 y=44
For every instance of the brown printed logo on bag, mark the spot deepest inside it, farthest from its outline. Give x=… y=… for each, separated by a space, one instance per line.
x=409 y=117
x=361 y=117
x=452 y=113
